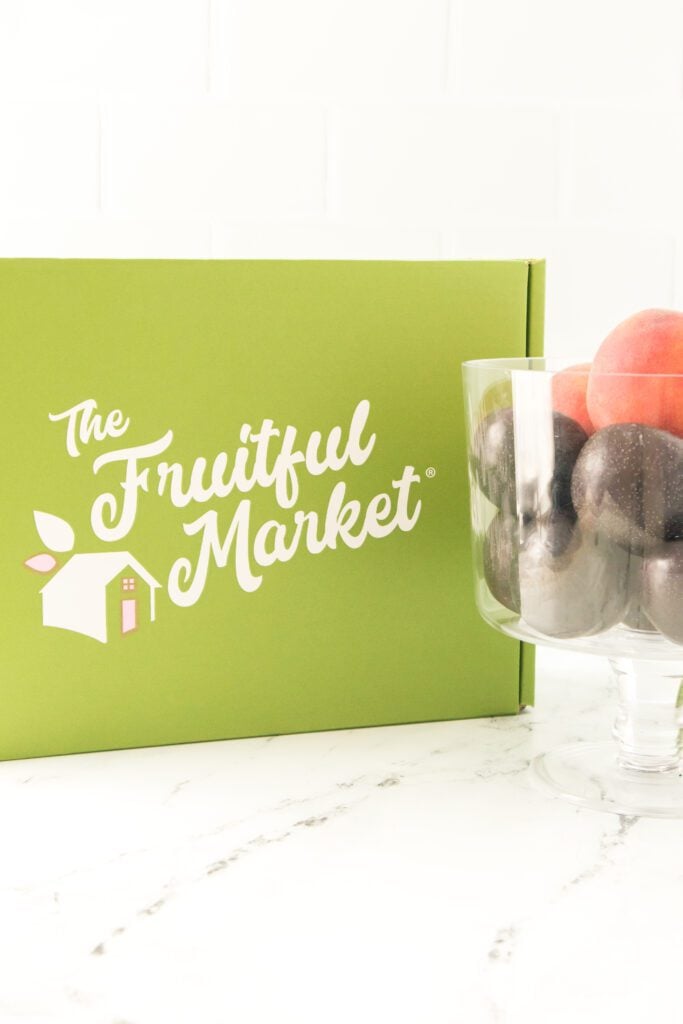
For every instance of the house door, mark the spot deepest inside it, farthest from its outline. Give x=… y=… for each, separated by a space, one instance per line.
x=129 y=614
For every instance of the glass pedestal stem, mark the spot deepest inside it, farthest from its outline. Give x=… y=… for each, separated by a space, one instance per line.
x=650 y=714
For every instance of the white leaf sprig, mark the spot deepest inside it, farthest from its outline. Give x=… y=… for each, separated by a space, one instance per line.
x=55 y=533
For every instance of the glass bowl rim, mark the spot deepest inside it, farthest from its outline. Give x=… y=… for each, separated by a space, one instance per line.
x=539 y=364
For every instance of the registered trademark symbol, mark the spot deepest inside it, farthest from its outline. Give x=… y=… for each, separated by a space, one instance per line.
x=430 y=472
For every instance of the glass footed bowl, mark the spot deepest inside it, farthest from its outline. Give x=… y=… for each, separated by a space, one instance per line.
x=578 y=543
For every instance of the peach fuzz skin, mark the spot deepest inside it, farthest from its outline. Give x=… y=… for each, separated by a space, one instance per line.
x=650 y=342
x=569 y=394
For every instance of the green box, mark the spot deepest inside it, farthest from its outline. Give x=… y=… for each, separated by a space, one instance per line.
x=241 y=487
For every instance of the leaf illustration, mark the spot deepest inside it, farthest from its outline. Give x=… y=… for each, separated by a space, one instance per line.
x=54 y=532
x=41 y=563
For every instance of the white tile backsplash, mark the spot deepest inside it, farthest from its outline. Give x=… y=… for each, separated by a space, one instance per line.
x=354 y=129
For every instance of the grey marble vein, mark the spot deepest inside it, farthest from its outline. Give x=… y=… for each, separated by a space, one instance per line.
x=172 y=889
x=610 y=841
x=502 y=948
x=178 y=787
x=391 y=780
x=491 y=770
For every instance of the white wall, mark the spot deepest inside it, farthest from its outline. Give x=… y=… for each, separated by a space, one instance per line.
x=355 y=128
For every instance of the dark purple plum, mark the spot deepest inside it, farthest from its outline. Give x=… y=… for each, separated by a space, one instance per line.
x=628 y=485
x=663 y=589
x=501 y=569
x=493 y=447
x=572 y=582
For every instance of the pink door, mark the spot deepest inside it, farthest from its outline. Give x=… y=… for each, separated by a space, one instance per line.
x=129 y=615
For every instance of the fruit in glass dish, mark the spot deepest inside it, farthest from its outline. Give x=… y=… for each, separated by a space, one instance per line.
x=573 y=582
x=611 y=557
x=569 y=388
x=663 y=589
x=493 y=448
x=501 y=560
x=628 y=484
x=637 y=373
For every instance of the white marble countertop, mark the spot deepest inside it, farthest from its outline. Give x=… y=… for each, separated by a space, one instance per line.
x=409 y=874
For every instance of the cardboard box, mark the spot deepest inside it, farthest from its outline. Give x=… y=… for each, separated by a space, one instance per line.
x=235 y=497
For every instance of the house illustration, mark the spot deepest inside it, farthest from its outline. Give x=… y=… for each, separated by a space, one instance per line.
x=100 y=595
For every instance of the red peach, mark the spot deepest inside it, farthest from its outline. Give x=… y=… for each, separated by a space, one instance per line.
x=647 y=343
x=569 y=394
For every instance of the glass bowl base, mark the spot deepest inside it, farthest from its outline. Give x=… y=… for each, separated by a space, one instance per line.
x=588 y=775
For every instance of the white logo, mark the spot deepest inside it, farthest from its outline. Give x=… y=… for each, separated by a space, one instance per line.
x=83 y=591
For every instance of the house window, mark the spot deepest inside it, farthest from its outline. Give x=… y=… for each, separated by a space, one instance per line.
x=128 y=583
